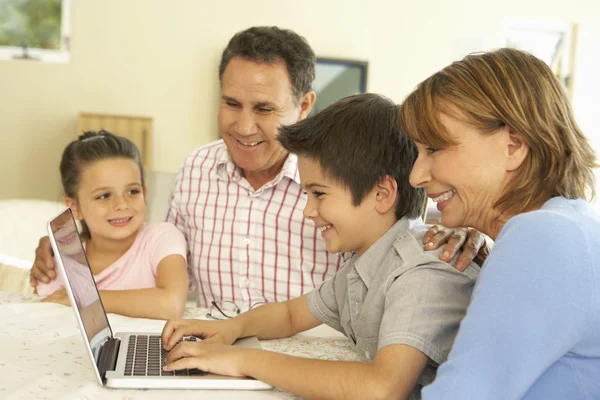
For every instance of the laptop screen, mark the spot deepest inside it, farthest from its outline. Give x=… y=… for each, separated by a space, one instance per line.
x=70 y=253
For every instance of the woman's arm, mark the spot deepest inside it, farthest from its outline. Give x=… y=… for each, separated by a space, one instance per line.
x=165 y=301
x=528 y=309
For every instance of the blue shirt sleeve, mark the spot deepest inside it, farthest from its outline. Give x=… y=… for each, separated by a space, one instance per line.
x=530 y=306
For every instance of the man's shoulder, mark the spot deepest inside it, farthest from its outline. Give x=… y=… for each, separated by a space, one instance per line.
x=209 y=153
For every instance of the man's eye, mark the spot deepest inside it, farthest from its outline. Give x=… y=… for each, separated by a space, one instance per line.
x=232 y=104
x=265 y=110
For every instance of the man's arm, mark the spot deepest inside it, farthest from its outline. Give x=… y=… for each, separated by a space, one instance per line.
x=43 y=268
x=393 y=373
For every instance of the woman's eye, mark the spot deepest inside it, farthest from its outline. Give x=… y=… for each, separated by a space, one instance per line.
x=135 y=191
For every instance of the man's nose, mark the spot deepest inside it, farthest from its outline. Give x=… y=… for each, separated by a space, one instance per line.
x=246 y=123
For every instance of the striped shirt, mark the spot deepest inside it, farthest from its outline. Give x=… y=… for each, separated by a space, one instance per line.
x=245 y=245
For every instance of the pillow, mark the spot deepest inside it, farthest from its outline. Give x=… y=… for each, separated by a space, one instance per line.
x=14 y=279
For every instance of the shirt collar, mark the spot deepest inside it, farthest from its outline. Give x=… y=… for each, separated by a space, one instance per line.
x=227 y=170
x=368 y=265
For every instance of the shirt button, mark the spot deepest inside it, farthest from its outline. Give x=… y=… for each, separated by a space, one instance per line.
x=367 y=354
x=246 y=283
x=247 y=241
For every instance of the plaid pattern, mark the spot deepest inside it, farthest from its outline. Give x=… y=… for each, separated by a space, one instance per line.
x=246 y=245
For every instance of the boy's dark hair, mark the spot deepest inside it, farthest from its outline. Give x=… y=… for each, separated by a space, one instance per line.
x=358 y=142
x=269 y=44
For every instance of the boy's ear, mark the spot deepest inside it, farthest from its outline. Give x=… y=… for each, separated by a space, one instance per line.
x=72 y=204
x=386 y=193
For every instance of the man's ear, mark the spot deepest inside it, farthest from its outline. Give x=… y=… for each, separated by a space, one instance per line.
x=386 y=194
x=306 y=103
x=516 y=150
x=72 y=204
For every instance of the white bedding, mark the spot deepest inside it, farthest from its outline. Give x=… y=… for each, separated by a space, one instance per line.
x=22 y=223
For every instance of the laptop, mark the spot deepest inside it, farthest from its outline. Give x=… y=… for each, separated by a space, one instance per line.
x=124 y=360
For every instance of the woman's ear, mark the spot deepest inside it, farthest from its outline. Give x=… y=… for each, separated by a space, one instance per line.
x=517 y=150
x=72 y=204
x=386 y=194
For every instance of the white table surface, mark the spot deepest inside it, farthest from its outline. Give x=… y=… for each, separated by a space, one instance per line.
x=42 y=355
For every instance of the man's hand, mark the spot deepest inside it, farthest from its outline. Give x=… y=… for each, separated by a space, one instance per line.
x=43 y=267
x=220 y=332
x=58 y=297
x=470 y=241
x=214 y=358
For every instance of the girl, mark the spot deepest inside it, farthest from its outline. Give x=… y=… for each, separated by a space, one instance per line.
x=140 y=270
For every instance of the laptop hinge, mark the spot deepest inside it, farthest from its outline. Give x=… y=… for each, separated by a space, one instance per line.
x=108 y=356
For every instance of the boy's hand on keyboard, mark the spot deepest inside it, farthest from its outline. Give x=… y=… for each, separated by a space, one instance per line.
x=220 y=332
x=214 y=358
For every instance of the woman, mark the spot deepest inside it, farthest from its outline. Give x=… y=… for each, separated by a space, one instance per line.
x=500 y=151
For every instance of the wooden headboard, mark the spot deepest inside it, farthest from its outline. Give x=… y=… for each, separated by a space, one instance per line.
x=136 y=129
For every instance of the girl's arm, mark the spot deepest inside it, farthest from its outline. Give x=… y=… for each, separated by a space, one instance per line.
x=165 y=301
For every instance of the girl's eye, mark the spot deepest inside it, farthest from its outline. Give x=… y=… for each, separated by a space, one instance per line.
x=431 y=150
x=103 y=196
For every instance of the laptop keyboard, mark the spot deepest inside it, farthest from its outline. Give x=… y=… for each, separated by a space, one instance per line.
x=146 y=357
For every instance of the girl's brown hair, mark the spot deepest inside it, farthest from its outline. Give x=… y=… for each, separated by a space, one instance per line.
x=91 y=147
x=509 y=88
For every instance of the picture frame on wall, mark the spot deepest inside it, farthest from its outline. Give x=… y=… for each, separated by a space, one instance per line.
x=336 y=78
x=554 y=42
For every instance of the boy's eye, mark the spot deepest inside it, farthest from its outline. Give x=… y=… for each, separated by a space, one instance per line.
x=318 y=194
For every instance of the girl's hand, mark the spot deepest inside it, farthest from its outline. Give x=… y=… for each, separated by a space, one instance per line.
x=215 y=332
x=58 y=297
x=214 y=358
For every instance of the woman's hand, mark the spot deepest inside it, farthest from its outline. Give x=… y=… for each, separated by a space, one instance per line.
x=472 y=244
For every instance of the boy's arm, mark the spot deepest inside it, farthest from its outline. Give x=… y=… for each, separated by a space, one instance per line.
x=270 y=321
x=165 y=301
x=392 y=375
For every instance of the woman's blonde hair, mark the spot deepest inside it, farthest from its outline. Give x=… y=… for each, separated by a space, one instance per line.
x=509 y=88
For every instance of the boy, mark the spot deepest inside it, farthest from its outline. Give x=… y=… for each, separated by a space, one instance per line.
x=400 y=306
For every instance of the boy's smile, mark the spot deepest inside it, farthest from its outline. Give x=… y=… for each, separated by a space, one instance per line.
x=344 y=226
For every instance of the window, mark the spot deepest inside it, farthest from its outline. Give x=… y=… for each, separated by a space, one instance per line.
x=35 y=30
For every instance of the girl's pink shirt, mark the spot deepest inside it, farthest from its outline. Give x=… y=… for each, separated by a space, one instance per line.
x=137 y=268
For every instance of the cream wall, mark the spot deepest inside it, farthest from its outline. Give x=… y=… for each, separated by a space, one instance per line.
x=159 y=58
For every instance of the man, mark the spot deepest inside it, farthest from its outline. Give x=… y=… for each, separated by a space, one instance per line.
x=238 y=200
